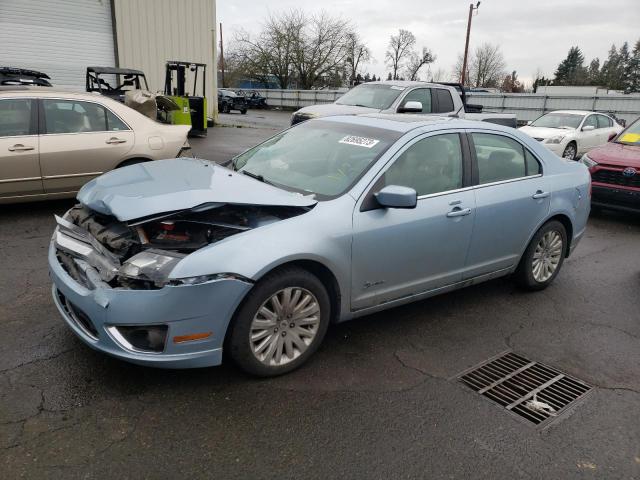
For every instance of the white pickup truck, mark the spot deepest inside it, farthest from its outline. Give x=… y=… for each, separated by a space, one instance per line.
x=404 y=97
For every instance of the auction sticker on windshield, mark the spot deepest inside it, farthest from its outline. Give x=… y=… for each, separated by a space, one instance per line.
x=630 y=137
x=360 y=141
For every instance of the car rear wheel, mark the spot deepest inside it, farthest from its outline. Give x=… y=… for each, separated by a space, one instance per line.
x=570 y=151
x=280 y=324
x=243 y=111
x=543 y=257
x=132 y=161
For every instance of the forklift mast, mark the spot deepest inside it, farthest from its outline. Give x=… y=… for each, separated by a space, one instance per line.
x=180 y=89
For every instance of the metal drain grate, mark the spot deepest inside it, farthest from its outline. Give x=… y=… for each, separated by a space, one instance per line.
x=529 y=389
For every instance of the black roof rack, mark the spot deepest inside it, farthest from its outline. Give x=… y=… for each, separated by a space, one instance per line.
x=115 y=71
x=23 y=71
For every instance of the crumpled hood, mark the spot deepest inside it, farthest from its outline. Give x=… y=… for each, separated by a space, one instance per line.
x=544 y=132
x=331 y=109
x=168 y=185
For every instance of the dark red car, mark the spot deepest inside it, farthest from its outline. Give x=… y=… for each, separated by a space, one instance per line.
x=615 y=171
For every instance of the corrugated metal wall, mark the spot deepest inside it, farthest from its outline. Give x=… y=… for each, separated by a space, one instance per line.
x=58 y=37
x=150 y=32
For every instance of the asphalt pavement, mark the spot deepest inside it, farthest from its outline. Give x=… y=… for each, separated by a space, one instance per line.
x=379 y=400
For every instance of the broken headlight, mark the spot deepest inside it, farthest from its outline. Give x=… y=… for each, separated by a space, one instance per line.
x=197 y=280
x=153 y=266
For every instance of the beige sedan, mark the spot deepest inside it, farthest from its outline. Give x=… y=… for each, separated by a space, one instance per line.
x=52 y=142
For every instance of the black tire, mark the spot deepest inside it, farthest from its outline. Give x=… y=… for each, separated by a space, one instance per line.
x=243 y=111
x=132 y=161
x=237 y=342
x=570 y=151
x=524 y=275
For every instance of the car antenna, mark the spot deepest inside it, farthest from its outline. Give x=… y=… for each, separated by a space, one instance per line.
x=457 y=114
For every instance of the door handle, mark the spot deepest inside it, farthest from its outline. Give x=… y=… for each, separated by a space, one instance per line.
x=459 y=212
x=540 y=194
x=18 y=147
x=113 y=140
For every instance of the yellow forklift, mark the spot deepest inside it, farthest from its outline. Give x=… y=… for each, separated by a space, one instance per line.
x=192 y=102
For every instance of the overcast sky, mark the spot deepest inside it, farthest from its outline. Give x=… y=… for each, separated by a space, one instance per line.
x=533 y=34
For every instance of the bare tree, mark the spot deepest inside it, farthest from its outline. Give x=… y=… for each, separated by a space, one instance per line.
x=321 y=49
x=357 y=54
x=416 y=62
x=457 y=70
x=487 y=66
x=271 y=53
x=439 y=75
x=399 y=49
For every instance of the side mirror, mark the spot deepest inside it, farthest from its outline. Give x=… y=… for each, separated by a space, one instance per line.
x=588 y=128
x=395 y=196
x=411 y=107
x=529 y=122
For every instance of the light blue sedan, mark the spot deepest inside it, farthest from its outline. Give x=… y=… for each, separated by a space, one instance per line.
x=166 y=263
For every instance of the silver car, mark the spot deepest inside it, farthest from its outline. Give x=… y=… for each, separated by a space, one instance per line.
x=167 y=263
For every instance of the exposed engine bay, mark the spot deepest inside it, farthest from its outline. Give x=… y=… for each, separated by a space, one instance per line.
x=99 y=249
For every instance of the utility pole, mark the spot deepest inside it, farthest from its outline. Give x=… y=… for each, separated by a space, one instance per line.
x=466 y=44
x=222 y=56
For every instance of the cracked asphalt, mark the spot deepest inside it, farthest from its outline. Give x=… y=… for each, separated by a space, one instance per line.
x=379 y=400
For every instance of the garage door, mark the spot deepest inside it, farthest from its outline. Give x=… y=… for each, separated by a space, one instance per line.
x=57 y=37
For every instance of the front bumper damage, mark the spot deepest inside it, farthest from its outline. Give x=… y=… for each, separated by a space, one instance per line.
x=95 y=311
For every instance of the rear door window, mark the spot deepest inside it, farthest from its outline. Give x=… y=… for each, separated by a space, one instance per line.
x=114 y=124
x=499 y=158
x=71 y=116
x=15 y=117
x=444 y=102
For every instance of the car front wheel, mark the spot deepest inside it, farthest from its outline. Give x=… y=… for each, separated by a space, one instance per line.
x=570 y=151
x=543 y=257
x=280 y=324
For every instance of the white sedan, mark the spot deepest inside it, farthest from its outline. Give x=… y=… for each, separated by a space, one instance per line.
x=570 y=133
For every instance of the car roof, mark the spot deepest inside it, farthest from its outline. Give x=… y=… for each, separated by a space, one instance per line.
x=403 y=123
x=35 y=91
x=52 y=92
x=575 y=112
x=405 y=83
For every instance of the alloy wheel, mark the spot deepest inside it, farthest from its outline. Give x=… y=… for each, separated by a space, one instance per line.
x=570 y=152
x=285 y=326
x=547 y=256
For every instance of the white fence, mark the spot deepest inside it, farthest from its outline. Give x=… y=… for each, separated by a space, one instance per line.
x=525 y=106
x=530 y=106
x=298 y=98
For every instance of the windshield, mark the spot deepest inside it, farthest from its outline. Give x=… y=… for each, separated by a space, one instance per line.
x=559 y=120
x=317 y=157
x=631 y=136
x=379 y=97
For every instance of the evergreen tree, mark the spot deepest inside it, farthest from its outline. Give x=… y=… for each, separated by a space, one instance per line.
x=571 y=70
x=611 y=69
x=632 y=74
x=389 y=77
x=367 y=77
x=623 y=67
x=593 y=72
x=540 y=82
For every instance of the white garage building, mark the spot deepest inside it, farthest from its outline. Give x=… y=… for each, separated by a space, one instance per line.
x=63 y=37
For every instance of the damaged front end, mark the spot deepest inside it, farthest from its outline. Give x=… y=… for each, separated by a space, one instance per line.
x=98 y=250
